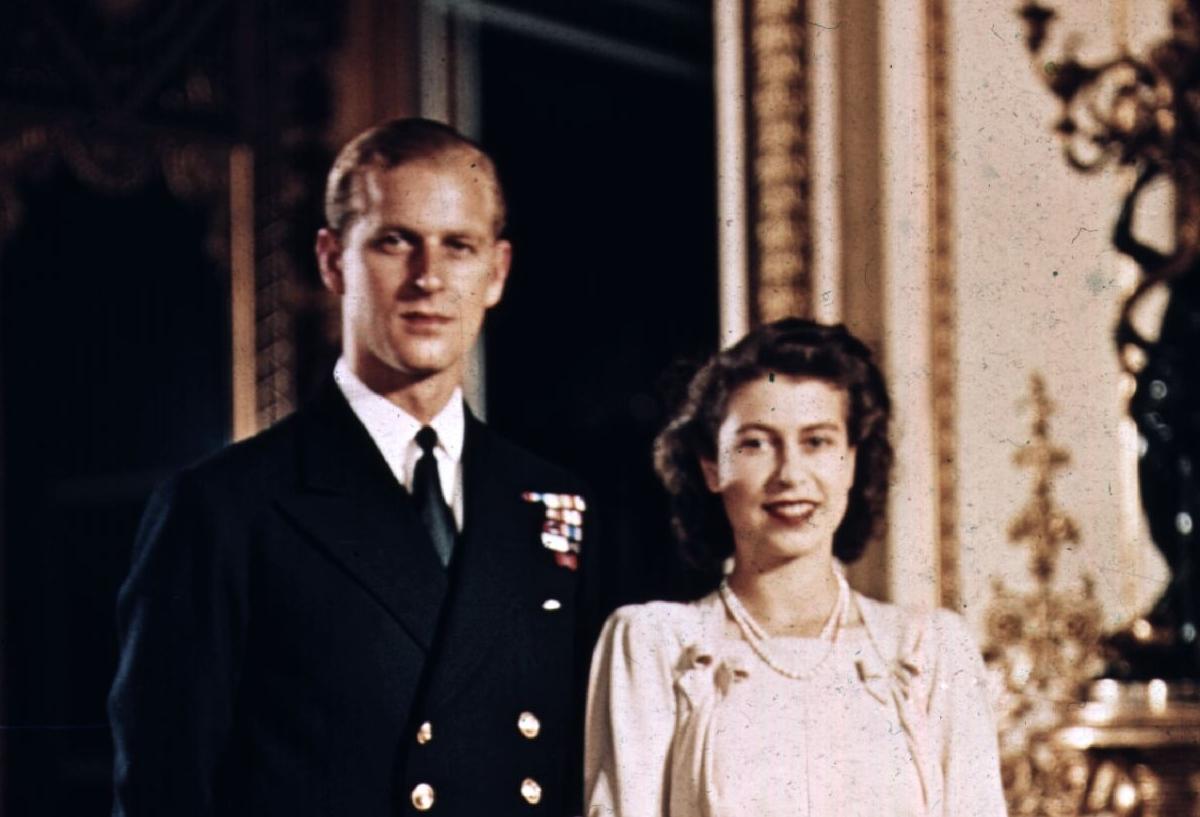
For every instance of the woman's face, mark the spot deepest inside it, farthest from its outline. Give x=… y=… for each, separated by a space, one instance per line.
x=784 y=468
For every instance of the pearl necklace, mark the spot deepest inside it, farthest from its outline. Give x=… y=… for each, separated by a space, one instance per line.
x=754 y=635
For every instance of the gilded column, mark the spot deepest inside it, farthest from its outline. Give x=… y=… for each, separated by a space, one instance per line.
x=781 y=277
x=943 y=311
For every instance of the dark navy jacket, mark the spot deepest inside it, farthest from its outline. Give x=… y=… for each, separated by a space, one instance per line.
x=286 y=630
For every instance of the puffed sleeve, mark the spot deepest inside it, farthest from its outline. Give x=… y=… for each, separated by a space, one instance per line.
x=630 y=717
x=960 y=716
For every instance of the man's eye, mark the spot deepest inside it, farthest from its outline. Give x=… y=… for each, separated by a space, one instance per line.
x=393 y=242
x=461 y=247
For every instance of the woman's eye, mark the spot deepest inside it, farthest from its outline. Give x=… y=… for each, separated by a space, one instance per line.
x=750 y=444
x=817 y=443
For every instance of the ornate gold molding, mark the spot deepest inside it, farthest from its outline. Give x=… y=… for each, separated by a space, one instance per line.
x=196 y=173
x=943 y=306
x=781 y=278
x=219 y=177
x=31 y=150
x=1042 y=645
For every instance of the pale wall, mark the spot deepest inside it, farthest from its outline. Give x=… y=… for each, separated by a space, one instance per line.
x=1039 y=286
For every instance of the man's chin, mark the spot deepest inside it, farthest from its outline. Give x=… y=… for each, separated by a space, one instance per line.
x=391 y=366
x=422 y=366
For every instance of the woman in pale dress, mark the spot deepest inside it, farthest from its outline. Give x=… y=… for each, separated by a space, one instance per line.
x=784 y=692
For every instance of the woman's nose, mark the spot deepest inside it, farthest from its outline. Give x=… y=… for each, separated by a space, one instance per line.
x=791 y=467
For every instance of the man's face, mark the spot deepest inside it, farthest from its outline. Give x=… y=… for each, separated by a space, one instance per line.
x=416 y=269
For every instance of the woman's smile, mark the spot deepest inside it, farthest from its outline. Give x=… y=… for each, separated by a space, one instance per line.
x=791 y=512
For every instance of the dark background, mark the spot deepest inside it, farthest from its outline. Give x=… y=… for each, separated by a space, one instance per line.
x=115 y=285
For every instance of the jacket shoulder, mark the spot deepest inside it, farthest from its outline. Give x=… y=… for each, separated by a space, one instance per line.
x=258 y=462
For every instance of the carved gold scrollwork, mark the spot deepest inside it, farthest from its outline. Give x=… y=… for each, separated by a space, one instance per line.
x=192 y=172
x=29 y=149
x=199 y=173
x=1042 y=645
x=102 y=164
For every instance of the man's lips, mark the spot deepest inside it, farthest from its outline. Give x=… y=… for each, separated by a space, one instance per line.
x=430 y=320
x=790 y=511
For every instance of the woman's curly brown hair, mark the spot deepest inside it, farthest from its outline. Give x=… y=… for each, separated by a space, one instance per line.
x=791 y=347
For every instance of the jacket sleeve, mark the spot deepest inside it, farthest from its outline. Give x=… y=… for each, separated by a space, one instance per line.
x=630 y=719
x=960 y=713
x=181 y=618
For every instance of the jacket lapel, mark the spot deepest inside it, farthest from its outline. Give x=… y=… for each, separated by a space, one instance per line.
x=488 y=564
x=351 y=506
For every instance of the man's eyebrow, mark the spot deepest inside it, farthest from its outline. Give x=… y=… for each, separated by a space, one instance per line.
x=456 y=232
x=395 y=228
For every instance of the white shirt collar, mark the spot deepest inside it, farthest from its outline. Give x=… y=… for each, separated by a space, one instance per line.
x=394 y=431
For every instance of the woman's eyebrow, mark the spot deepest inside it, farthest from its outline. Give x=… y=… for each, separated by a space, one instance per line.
x=820 y=425
x=824 y=425
x=742 y=429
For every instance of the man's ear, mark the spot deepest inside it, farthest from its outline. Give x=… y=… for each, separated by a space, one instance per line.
x=501 y=263
x=329 y=259
x=711 y=476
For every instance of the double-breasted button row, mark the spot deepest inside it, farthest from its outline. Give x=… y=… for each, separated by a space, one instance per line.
x=529 y=725
x=423 y=797
x=531 y=790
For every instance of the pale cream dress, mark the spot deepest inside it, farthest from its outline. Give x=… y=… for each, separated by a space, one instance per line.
x=889 y=716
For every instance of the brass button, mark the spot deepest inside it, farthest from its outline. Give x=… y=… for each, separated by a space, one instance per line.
x=531 y=791
x=422 y=797
x=425 y=733
x=529 y=725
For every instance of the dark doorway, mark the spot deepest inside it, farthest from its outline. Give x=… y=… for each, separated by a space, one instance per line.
x=115 y=365
x=609 y=170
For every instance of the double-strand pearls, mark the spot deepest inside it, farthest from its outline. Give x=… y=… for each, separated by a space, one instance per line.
x=757 y=638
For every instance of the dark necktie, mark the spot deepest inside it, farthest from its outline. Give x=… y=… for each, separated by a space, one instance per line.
x=427 y=490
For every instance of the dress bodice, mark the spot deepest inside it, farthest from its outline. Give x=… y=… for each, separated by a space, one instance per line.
x=686 y=719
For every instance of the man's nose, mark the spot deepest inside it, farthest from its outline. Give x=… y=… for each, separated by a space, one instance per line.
x=425 y=270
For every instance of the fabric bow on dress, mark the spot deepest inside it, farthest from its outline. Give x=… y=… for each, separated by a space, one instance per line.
x=898 y=683
x=702 y=681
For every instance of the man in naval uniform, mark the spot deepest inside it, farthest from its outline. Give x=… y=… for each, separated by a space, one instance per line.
x=372 y=608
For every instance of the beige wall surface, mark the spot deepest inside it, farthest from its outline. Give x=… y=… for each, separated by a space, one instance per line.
x=1038 y=289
